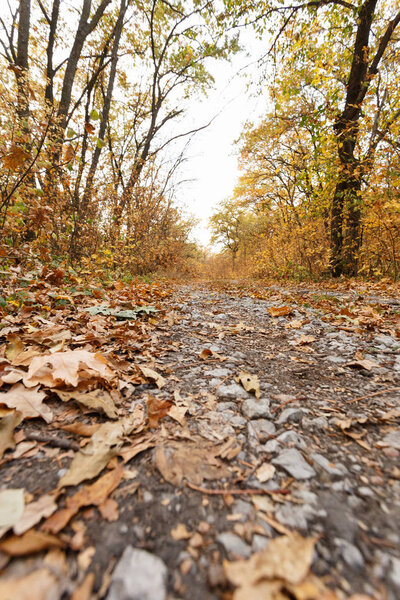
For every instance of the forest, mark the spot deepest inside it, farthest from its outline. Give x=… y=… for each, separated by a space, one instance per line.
x=93 y=137
x=182 y=420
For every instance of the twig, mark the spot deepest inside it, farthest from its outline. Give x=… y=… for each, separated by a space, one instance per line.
x=284 y=404
x=53 y=441
x=385 y=391
x=234 y=492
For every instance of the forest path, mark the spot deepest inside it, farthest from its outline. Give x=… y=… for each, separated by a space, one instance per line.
x=313 y=447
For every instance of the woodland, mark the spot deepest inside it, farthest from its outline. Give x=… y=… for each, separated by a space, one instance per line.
x=188 y=423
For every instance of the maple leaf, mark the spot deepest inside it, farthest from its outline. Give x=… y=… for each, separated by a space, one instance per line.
x=29 y=402
x=67 y=368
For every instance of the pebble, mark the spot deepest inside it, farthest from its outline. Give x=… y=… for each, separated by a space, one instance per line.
x=259 y=543
x=290 y=415
x=392 y=439
x=293 y=462
x=350 y=554
x=233 y=544
x=395 y=572
x=253 y=408
x=260 y=429
x=334 y=470
x=365 y=491
x=138 y=575
x=232 y=389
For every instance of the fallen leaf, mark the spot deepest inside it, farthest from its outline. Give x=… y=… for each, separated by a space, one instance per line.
x=265 y=472
x=280 y=311
x=157 y=410
x=35 y=512
x=192 y=461
x=104 y=444
x=11 y=508
x=7 y=426
x=366 y=364
x=84 y=590
x=250 y=383
x=306 y=339
x=99 y=400
x=67 y=368
x=32 y=541
x=41 y=584
x=286 y=560
x=28 y=402
x=109 y=510
x=229 y=449
x=180 y=532
x=94 y=494
x=153 y=376
x=81 y=428
x=178 y=414
x=139 y=445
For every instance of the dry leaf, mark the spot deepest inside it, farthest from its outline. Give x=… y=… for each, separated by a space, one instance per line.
x=157 y=410
x=109 y=510
x=180 y=532
x=84 y=590
x=35 y=512
x=280 y=311
x=99 y=400
x=81 y=428
x=103 y=445
x=178 y=414
x=229 y=449
x=11 y=508
x=250 y=383
x=7 y=426
x=366 y=364
x=306 y=339
x=95 y=494
x=287 y=558
x=67 y=368
x=153 y=376
x=32 y=541
x=28 y=402
x=41 y=584
x=185 y=460
x=140 y=445
x=265 y=472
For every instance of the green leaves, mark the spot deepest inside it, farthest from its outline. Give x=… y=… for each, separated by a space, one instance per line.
x=131 y=314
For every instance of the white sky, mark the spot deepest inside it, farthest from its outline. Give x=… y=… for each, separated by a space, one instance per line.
x=213 y=164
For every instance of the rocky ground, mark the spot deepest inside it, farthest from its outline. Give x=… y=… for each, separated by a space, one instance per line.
x=224 y=475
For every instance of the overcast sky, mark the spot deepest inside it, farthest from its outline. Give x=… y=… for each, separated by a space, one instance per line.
x=213 y=164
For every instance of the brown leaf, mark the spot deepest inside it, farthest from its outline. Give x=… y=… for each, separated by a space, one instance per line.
x=109 y=510
x=153 y=376
x=194 y=462
x=250 y=383
x=96 y=494
x=41 y=584
x=7 y=426
x=16 y=157
x=365 y=363
x=67 y=368
x=32 y=541
x=81 y=428
x=280 y=311
x=27 y=402
x=265 y=472
x=103 y=445
x=99 y=400
x=89 y=128
x=157 y=410
x=180 y=532
x=35 y=512
x=84 y=590
x=286 y=558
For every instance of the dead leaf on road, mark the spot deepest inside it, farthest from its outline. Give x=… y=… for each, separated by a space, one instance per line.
x=153 y=376
x=184 y=460
x=365 y=363
x=265 y=472
x=11 y=508
x=32 y=541
x=280 y=311
x=67 y=368
x=28 y=402
x=41 y=584
x=157 y=410
x=7 y=426
x=35 y=512
x=284 y=564
x=99 y=400
x=250 y=383
x=96 y=494
x=104 y=444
